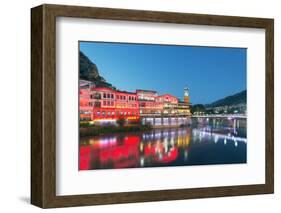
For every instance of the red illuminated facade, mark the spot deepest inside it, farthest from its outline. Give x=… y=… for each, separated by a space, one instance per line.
x=86 y=108
x=109 y=104
x=101 y=104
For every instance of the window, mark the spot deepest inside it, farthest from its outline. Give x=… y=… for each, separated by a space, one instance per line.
x=108 y=113
x=108 y=95
x=97 y=104
x=108 y=103
x=112 y=103
x=117 y=96
x=96 y=95
x=98 y=113
x=104 y=103
x=103 y=113
x=112 y=96
x=104 y=95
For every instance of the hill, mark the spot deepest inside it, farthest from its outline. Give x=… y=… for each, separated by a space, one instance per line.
x=89 y=71
x=236 y=99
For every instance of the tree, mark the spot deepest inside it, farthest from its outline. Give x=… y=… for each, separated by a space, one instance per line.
x=121 y=122
x=198 y=108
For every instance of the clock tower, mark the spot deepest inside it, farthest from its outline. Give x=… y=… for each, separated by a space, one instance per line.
x=186 y=95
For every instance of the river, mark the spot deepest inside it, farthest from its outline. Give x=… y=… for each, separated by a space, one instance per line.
x=206 y=142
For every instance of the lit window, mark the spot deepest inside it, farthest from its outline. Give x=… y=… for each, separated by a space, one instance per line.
x=103 y=113
x=108 y=113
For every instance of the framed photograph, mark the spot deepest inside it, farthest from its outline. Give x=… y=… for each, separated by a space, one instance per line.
x=136 y=106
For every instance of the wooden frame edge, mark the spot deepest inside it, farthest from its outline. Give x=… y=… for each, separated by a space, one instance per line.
x=36 y=106
x=43 y=105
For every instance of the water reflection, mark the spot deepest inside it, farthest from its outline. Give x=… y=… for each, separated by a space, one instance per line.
x=202 y=144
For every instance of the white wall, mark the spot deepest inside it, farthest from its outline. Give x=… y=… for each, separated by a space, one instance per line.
x=15 y=106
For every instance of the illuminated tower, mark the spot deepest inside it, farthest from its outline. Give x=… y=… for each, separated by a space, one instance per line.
x=186 y=95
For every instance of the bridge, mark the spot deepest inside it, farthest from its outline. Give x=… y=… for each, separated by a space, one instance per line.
x=230 y=116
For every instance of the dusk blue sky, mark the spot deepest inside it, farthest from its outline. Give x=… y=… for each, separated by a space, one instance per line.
x=210 y=73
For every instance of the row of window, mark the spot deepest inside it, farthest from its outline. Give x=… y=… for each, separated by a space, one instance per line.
x=108 y=103
x=125 y=105
x=97 y=104
x=124 y=98
x=108 y=95
x=117 y=113
x=119 y=97
x=111 y=96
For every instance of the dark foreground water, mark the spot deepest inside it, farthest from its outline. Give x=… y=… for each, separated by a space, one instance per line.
x=206 y=142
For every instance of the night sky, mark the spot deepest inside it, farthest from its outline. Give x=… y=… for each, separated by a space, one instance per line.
x=210 y=73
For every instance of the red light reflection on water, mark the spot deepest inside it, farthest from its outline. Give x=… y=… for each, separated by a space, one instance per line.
x=157 y=152
x=131 y=151
x=85 y=157
x=118 y=153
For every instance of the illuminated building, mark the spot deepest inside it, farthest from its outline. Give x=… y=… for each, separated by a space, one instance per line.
x=186 y=95
x=104 y=105
x=148 y=102
x=85 y=109
x=110 y=105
